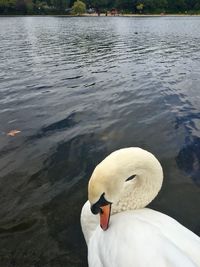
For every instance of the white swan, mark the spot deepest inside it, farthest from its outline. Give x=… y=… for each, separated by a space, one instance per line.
x=124 y=183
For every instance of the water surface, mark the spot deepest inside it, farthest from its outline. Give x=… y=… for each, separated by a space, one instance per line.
x=77 y=89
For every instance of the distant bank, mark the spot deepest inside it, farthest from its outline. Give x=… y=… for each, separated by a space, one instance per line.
x=137 y=15
x=104 y=15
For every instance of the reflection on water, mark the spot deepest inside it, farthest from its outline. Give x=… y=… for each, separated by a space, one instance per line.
x=188 y=159
x=79 y=88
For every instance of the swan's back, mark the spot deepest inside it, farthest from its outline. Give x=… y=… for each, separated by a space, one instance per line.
x=143 y=238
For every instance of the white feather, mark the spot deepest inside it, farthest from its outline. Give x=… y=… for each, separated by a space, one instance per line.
x=136 y=237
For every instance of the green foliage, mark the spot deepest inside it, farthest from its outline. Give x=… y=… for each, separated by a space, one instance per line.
x=177 y=6
x=101 y=4
x=29 y=6
x=59 y=4
x=78 y=8
x=7 y=6
x=155 y=6
x=125 y=5
x=140 y=7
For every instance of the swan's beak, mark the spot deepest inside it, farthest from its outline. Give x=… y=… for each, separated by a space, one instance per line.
x=105 y=216
x=103 y=207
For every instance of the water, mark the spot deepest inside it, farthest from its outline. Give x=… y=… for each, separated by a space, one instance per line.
x=77 y=89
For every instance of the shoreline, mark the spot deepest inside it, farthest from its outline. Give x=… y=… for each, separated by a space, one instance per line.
x=136 y=15
x=103 y=15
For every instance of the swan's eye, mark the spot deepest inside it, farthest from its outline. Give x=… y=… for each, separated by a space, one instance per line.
x=130 y=178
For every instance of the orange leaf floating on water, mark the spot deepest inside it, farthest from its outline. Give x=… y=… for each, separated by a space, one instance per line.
x=13 y=132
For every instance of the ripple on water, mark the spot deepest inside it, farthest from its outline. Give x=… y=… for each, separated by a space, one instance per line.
x=77 y=89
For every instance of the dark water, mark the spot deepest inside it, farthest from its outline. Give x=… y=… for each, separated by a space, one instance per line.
x=77 y=89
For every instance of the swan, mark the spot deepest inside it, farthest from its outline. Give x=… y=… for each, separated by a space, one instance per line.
x=126 y=234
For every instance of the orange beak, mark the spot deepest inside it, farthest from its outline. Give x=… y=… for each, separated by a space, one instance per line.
x=105 y=216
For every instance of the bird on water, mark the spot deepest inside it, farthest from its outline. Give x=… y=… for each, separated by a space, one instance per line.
x=126 y=234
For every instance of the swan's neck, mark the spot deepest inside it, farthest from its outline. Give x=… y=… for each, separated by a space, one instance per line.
x=139 y=192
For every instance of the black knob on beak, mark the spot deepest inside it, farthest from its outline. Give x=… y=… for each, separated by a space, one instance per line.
x=96 y=208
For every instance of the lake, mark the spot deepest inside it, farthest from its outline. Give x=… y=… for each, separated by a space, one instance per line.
x=78 y=89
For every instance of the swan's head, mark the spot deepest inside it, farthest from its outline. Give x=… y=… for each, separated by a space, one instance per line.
x=112 y=181
x=104 y=189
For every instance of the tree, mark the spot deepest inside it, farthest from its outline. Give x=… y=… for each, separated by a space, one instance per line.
x=140 y=7
x=190 y=4
x=155 y=5
x=29 y=6
x=176 y=6
x=101 y=4
x=125 y=4
x=78 y=8
x=58 y=4
x=7 y=6
x=197 y=5
x=20 y=6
